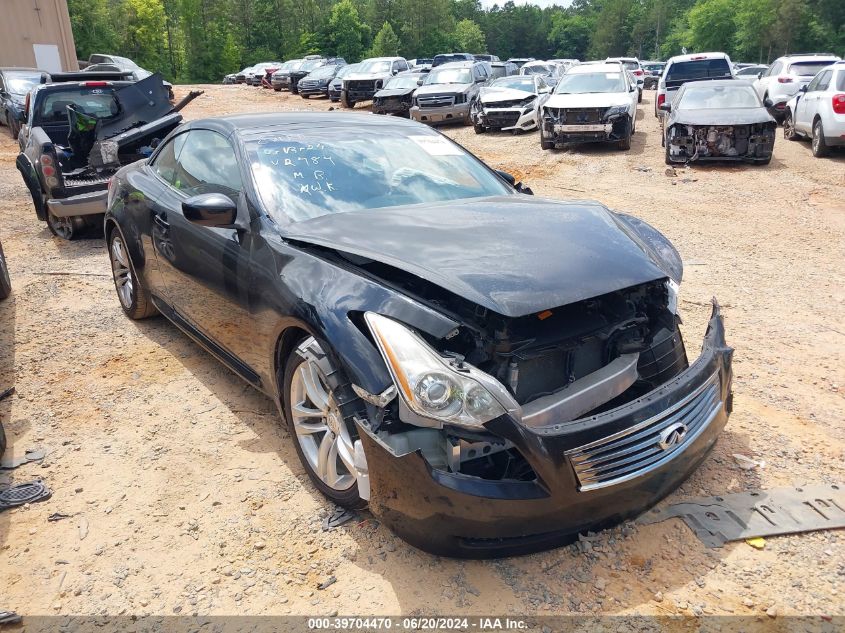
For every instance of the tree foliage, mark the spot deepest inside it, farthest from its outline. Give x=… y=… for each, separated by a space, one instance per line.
x=386 y=42
x=201 y=40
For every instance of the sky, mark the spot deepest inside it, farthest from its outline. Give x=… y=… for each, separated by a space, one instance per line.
x=540 y=3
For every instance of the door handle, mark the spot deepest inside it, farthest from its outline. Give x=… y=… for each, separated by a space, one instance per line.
x=161 y=220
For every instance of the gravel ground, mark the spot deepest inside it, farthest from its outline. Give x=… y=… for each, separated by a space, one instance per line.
x=185 y=494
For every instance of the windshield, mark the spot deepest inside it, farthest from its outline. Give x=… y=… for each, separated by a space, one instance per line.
x=525 y=84
x=718 y=97
x=808 y=69
x=699 y=69
x=407 y=81
x=631 y=65
x=312 y=64
x=751 y=71
x=536 y=69
x=295 y=65
x=449 y=76
x=351 y=68
x=322 y=72
x=581 y=83
x=21 y=83
x=374 y=67
x=95 y=102
x=316 y=173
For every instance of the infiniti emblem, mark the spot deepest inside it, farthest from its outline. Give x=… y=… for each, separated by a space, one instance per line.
x=672 y=436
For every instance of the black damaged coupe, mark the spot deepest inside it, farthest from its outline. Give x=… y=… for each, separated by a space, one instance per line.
x=491 y=372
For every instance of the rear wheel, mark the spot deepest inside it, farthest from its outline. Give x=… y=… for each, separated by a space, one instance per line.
x=14 y=125
x=65 y=228
x=5 y=281
x=304 y=96
x=820 y=148
x=789 y=127
x=639 y=96
x=669 y=160
x=134 y=298
x=323 y=439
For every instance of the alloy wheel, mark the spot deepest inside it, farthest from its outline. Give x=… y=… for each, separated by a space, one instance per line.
x=122 y=272
x=320 y=429
x=61 y=227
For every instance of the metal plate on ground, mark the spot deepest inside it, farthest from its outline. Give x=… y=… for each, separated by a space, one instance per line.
x=734 y=517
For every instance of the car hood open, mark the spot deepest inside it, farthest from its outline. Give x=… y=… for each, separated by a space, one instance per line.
x=515 y=255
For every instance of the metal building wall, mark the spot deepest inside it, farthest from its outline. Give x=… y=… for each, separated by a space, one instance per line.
x=24 y=23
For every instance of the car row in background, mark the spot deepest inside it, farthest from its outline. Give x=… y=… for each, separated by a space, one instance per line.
x=15 y=84
x=817 y=111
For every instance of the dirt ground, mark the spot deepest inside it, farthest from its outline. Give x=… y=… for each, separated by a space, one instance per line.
x=185 y=494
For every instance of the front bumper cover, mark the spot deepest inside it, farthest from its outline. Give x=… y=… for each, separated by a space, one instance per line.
x=459 y=515
x=444 y=114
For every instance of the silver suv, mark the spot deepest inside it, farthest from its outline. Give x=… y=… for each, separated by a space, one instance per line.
x=448 y=92
x=787 y=75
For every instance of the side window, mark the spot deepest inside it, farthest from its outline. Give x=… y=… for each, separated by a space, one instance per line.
x=2 y=88
x=165 y=164
x=403 y=65
x=776 y=68
x=824 y=80
x=396 y=67
x=207 y=164
x=814 y=84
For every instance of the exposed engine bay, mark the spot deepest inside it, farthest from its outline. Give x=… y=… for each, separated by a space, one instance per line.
x=729 y=142
x=547 y=361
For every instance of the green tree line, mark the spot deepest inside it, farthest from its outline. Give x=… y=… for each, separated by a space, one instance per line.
x=201 y=40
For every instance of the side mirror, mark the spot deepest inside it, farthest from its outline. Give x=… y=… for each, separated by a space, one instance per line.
x=760 y=75
x=768 y=102
x=633 y=88
x=394 y=72
x=210 y=209
x=507 y=177
x=666 y=107
x=802 y=89
x=420 y=81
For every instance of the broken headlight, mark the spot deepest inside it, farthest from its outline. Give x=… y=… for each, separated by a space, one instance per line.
x=446 y=390
x=616 y=111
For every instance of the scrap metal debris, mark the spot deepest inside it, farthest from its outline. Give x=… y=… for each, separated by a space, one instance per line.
x=746 y=463
x=57 y=516
x=747 y=515
x=327 y=583
x=20 y=494
x=9 y=617
x=337 y=519
x=3 y=395
x=11 y=460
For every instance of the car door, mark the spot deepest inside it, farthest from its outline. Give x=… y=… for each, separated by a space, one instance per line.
x=808 y=105
x=205 y=269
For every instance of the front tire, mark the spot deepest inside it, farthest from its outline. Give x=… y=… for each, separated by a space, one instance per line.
x=545 y=143
x=820 y=148
x=345 y=101
x=625 y=142
x=5 y=281
x=134 y=298
x=479 y=129
x=323 y=439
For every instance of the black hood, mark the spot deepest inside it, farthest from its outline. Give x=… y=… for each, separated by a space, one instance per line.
x=394 y=92
x=515 y=255
x=725 y=116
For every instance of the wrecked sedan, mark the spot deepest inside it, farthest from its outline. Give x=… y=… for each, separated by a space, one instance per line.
x=490 y=371
x=397 y=95
x=510 y=103
x=720 y=120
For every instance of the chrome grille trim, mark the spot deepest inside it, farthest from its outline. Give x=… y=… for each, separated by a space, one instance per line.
x=634 y=451
x=436 y=101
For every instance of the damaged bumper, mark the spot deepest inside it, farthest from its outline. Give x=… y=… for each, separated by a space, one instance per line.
x=507 y=118
x=590 y=473
x=752 y=143
x=91 y=203
x=443 y=114
x=583 y=125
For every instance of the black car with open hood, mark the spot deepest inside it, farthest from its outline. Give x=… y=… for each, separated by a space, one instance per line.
x=491 y=372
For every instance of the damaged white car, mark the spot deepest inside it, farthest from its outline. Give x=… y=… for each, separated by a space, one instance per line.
x=510 y=103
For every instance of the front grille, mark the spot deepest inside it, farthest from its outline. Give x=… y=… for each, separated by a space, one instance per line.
x=361 y=86
x=501 y=119
x=573 y=116
x=436 y=101
x=513 y=103
x=636 y=451
x=308 y=85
